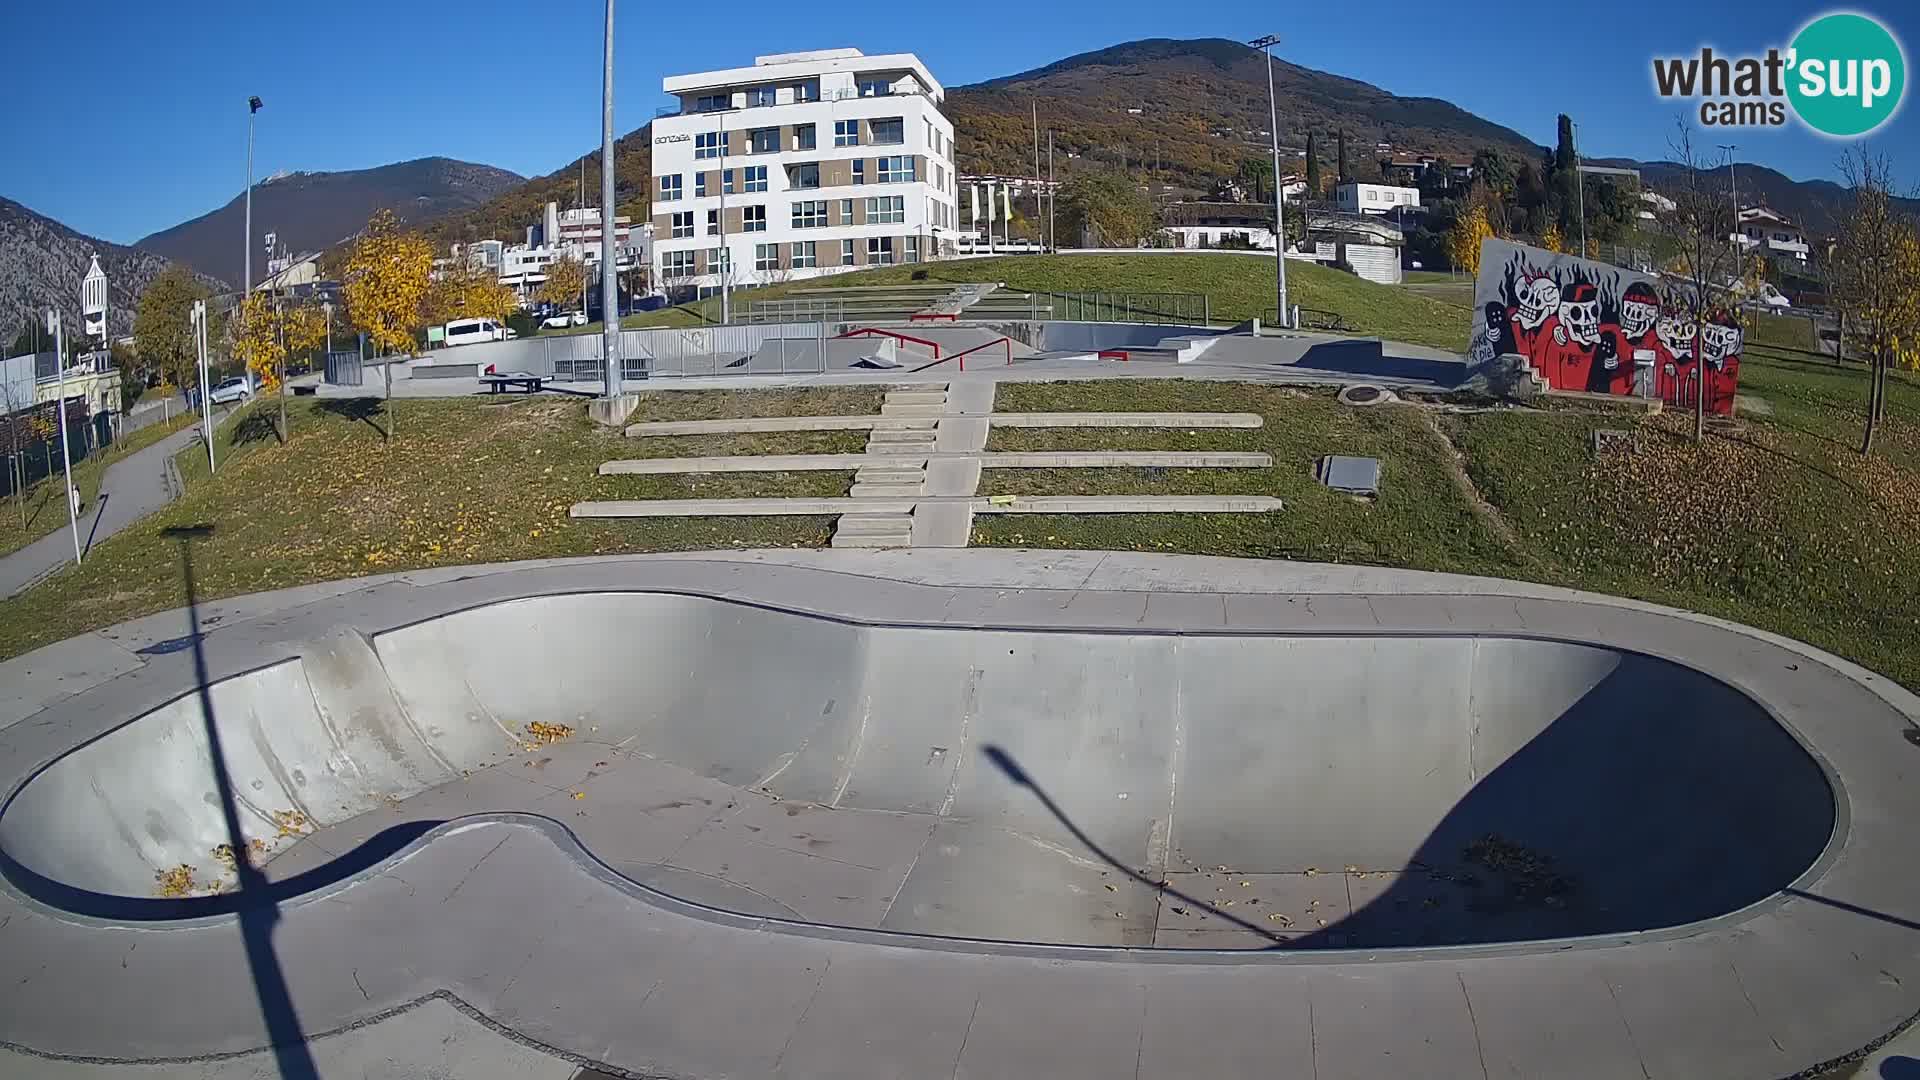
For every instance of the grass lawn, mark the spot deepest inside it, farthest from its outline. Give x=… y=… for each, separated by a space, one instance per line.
x=463 y=482
x=1239 y=287
x=46 y=500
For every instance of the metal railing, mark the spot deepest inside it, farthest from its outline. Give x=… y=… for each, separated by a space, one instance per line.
x=825 y=309
x=1178 y=309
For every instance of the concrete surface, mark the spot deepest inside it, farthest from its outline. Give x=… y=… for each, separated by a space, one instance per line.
x=1054 y=459
x=915 y=504
x=638 y=956
x=134 y=487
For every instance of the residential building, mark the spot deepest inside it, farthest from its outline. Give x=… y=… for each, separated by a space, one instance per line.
x=1653 y=204
x=1214 y=224
x=93 y=301
x=1366 y=242
x=562 y=234
x=1374 y=198
x=1772 y=234
x=803 y=164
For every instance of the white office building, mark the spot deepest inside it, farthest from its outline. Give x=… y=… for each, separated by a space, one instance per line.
x=804 y=164
x=1374 y=198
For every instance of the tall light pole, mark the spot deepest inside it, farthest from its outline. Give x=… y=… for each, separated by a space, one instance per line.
x=1733 y=180
x=253 y=106
x=726 y=257
x=1580 y=183
x=197 y=315
x=1265 y=45
x=609 y=289
x=66 y=458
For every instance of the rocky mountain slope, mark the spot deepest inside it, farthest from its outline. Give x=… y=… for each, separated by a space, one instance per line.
x=42 y=262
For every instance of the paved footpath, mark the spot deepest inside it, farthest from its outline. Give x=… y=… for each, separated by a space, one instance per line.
x=134 y=487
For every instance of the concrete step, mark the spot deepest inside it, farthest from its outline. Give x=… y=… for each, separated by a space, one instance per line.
x=891 y=409
x=889 y=476
x=884 y=491
x=891 y=540
x=916 y=397
x=904 y=423
x=897 y=441
x=874 y=524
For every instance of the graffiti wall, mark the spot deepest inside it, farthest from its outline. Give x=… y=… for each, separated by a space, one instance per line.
x=1584 y=325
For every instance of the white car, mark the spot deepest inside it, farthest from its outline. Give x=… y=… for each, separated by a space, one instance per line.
x=564 y=320
x=469 y=331
x=234 y=389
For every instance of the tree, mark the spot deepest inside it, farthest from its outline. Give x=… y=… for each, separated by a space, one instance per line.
x=1108 y=204
x=1313 y=168
x=258 y=343
x=468 y=291
x=1463 y=241
x=1552 y=240
x=1875 y=274
x=386 y=280
x=1706 y=259
x=1258 y=174
x=566 y=283
x=1342 y=177
x=162 y=330
x=1493 y=170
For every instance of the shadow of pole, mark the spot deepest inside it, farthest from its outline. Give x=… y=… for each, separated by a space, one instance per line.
x=99 y=512
x=1011 y=769
x=256 y=920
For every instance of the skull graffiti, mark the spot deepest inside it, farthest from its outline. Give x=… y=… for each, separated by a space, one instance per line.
x=1676 y=333
x=1719 y=341
x=1539 y=298
x=1639 y=309
x=1580 y=314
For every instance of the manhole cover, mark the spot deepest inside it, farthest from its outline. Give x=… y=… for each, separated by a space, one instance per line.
x=1365 y=395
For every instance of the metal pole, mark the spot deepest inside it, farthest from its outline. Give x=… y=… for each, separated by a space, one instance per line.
x=726 y=294
x=1265 y=45
x=1580 y=184
x=1053 y=198
x=66 y=459
x=609 y=290
x=1733 y=179
x=1036 y=165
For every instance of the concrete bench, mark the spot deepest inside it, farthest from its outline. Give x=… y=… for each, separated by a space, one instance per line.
x=501 y=382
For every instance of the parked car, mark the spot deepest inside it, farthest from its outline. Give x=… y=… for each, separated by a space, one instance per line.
x=564 y=319
x=233 y=389
x=469 y=331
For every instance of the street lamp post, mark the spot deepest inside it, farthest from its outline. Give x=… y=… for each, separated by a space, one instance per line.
x=253 y=106
x=66 y=458
x=609 y=281
x=1733 y=180
x=1265 y=45
x=197 y=315
x=1580 y=184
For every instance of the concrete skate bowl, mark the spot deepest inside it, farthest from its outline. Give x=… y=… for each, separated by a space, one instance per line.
x=1057 y=788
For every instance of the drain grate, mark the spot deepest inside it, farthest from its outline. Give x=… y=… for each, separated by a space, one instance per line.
x=1353 y=475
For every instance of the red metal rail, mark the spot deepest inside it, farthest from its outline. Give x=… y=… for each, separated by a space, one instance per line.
x=1114 y=354
x=962 y=356
x=874 y=331
x=932 y=316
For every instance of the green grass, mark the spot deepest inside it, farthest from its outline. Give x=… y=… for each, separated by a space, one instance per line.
x=463 y=482
x=1238 y=288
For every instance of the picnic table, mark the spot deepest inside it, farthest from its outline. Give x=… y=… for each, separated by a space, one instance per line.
x=499 y=382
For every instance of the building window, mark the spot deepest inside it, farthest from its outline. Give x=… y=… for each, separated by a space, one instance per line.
x=753 y=219
x=879 y=250
x=756 y=178
x=678 y=264
x=896 y=170
x=718 y=261
x=932 y=143
x=670 y=188
x=726 y=181
x=846 y=133
x=889 y=131
x=682 y=225
x=846 y=211
x=876 y=88
x=699 y=185
x=804 y=176
x=763 y=141
x=859 y=170
x=713 y=222
x=913 y=249
x=804 y=254
x=760 y=97
x=807 y=91
x=846 y=253
x=706 y=145
x=810 y=215
x=766 y=256
x=712 y=102
x=887 y=210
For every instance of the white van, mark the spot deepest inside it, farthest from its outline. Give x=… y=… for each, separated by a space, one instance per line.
x=468 y=331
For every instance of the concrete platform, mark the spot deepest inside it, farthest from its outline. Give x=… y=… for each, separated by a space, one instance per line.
x=857 y=814
x=880 y=504
x=1178 y=459
x=892 y=424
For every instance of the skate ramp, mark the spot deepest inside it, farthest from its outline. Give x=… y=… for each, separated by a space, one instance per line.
x=1097 y=789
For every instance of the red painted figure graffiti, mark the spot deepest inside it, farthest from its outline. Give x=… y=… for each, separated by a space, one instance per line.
x=1720 y=356
x=1673 y=362
x=1575 y=341
x=1635 y=352
x=1525 y=327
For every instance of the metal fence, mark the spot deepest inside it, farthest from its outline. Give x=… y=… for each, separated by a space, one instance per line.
x=828 y=309
x=787 y=348
x=1182 y=309
x=344 y=368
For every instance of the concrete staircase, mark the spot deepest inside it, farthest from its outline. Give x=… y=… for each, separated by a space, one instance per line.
x=918 y=412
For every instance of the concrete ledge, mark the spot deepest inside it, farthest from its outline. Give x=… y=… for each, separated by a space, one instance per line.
x=1019 y=504
x=632 y=508
x=1126 y=419
x=1128 y=504
x=780 y=423
x=990 y=460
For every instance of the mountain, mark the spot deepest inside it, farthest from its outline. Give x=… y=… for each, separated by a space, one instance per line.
x=1202 y=108
x=312 y=211
x=42 y=262
x=1815 y=204
x=507 y=214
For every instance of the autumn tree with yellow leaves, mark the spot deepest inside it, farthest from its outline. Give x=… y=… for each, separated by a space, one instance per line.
x=467 y=291
x=260 y=344
x=1463 y=240
x=566 y=281
x=1874 y=280
x=1552 y=240
x=387 y=276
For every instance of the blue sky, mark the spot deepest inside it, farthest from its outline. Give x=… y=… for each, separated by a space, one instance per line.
x=156 y=132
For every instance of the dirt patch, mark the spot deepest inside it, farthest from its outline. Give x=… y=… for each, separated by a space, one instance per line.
x=1456 y=464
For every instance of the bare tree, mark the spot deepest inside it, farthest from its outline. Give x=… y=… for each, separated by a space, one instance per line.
x=1874 y=275
x=10 y=400
x=1702 y=226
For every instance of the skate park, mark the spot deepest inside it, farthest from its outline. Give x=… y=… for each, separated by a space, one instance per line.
x=1280 y=812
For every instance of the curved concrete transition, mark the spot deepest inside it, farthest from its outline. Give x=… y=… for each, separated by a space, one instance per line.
x=701 y=817
x=761 y=754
